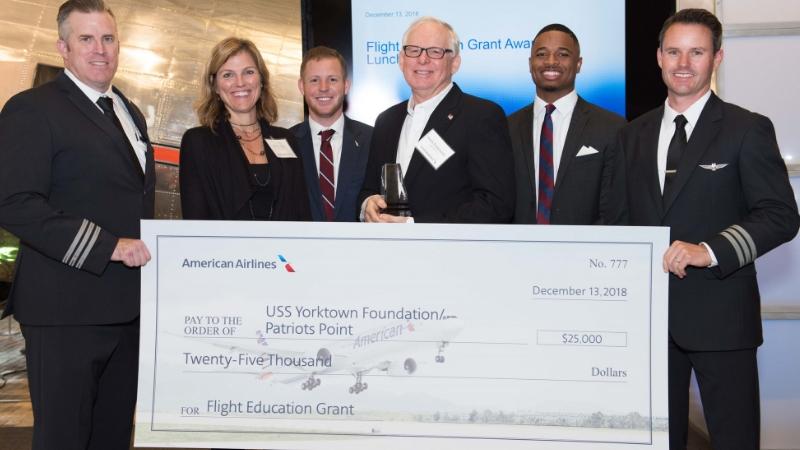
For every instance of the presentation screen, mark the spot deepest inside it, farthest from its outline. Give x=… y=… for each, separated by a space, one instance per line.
x=495 y=44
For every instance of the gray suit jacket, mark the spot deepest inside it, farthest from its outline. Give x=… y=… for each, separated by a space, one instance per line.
x=582 y=183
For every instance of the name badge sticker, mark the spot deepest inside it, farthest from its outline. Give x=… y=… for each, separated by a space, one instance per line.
x=281 y=148
x=434 y=149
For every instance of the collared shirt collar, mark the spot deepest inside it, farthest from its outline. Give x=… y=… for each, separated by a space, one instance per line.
x=337 y=126
x=692 y=113
x=564 y=105
x=89 y=91
x=124 y=116
x=429 y=104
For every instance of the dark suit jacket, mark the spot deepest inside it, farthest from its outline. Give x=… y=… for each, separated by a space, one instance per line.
x=475 y=185
x=582 y=183
x=353 y=163
x=69 y=188
x=741 y=210
x=215 y=180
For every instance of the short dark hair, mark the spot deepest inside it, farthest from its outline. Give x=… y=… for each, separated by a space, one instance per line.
x=561 y=28
x=84 y=6
x=696 y=16
x=322 y=52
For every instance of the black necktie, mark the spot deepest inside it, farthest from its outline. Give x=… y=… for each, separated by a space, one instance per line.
x=675 y=151
x=107 y=105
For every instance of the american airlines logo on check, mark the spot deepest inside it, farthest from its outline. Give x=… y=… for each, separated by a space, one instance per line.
x=240 y=263
x=286 y=263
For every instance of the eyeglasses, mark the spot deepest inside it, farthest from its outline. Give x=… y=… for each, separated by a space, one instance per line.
x=412 y=51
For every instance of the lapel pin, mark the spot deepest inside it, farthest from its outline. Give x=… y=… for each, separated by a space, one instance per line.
x=356 y=143
x=450 y=116
x=713 y=166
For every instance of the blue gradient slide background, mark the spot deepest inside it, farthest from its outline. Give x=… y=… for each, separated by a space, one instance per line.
x=499 y=71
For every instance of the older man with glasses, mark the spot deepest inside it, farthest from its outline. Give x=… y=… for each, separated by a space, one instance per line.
x=453 y=148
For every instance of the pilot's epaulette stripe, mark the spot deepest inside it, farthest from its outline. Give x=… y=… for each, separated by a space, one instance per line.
x=82 y=244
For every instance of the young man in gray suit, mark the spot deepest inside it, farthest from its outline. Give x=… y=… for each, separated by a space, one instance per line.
x=713 y=173
x=562 y=160
x=77 y=175
x=334 y=179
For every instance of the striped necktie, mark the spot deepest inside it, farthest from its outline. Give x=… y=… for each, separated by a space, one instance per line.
x=546 y=174
x=326 y=174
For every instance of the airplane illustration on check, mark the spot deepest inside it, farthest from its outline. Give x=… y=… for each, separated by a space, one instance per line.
x=391 y=349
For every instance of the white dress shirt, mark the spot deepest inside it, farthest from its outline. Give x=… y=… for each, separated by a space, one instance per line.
x=561 y=117
x=337 y=140
x=692 y=115
x=416 y=120
x=124 y=116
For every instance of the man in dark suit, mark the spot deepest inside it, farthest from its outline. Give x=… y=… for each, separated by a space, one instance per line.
x=324 y=85
x=454 y=149
x=572 y=140
x=77 y=176
x=712 y=172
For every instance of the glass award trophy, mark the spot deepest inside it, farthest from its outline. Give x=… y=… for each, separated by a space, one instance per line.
x=393 y=191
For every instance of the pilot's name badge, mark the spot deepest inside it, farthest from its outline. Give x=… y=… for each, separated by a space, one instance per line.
x=434 y=149
x=281 y=148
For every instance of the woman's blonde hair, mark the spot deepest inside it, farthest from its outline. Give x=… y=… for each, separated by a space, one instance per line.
x=210 y=109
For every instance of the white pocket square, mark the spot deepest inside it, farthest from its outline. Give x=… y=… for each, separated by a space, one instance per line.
x=713 y=166
x=586 y=151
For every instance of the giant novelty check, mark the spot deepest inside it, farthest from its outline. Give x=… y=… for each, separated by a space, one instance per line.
x=362 y=336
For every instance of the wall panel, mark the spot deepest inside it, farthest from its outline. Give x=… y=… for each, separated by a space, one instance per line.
x=165 y=46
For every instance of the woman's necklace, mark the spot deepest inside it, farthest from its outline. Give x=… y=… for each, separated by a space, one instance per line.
x=246 y=136
x=258 y=179
x=247 y=133
x=243 y=124
x=261 y=152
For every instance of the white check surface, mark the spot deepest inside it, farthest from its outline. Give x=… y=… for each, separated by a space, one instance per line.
x=363 y=336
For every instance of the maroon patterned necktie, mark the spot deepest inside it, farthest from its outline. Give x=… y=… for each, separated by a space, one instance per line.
x=546 y=173
x=326 y=174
